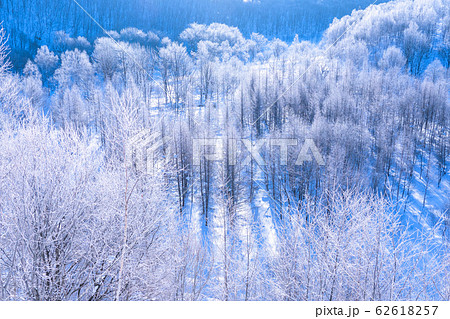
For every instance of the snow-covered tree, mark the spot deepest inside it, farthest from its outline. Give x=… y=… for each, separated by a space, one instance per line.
x=75 y=69
x=46 y=60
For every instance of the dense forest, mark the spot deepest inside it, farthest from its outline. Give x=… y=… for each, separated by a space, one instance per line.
x=32 y=23
x=270 y=219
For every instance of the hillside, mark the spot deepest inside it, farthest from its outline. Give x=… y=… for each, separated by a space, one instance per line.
x=225 y=164
x=32 y=23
